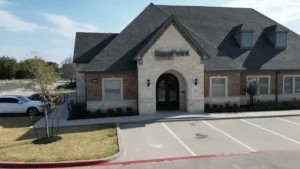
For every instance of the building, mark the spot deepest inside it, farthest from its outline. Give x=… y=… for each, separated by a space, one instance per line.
x=181 y=57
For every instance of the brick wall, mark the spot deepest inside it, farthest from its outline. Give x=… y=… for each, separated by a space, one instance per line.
x=237 y=80
x=94 y=90
x=233 y=81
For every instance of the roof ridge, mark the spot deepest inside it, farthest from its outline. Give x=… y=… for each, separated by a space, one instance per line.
x=161 y=9
x=203 y=6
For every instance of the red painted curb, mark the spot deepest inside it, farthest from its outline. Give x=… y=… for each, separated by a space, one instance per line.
x=106 y=163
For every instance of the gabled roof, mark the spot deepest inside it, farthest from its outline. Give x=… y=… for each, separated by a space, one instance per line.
x=211 y=28
x=171 y=20
x=241 y=28
x=88 y=45
x=274 y=29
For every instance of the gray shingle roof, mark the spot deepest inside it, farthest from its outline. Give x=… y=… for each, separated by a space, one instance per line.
x=88 y=45
x=211 y=28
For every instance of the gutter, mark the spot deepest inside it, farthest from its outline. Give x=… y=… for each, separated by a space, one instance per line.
x=276 y=86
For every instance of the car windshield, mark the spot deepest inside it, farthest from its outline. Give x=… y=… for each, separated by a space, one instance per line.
x=23 y=99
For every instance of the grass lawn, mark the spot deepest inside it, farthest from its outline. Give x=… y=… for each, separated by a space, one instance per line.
x=78 y=143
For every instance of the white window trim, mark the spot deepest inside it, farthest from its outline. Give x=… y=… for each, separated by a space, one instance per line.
x=103 y=91
x=210 y=86
x=294 y=83
x=285 y=44
x=258 y=76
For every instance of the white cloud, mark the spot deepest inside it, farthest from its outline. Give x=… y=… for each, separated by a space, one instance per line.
x=282 y=11
x=59 y=41
x=9 y=22
x=67 y=27
x=3 y=2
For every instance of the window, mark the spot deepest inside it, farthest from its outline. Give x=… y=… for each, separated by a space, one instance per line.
x=281 y=40
x=218 y=86
x=9 y=100
x=291 y=84
x=247 y=39
x=112 y=89
x=263 y=81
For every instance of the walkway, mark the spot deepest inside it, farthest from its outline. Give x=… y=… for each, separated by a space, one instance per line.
x=160 y=116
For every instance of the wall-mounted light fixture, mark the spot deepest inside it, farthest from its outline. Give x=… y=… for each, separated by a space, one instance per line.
x=196 y=82
x=148 y=82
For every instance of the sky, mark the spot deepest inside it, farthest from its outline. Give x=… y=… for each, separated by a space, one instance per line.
x=48 y=27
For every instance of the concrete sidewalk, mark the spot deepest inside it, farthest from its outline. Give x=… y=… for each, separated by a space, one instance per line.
x=160 y=116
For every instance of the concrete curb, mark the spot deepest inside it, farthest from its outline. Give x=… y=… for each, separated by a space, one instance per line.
x=68 y=163
x=214 y=118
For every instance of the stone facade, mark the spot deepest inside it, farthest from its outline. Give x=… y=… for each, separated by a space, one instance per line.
x=80 y=83
x=185 y=68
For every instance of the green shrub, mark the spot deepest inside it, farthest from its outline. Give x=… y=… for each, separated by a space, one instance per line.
x=207 y=108
x=128 y=110
x=110 y=112
x=119 y=112
x=78 y=111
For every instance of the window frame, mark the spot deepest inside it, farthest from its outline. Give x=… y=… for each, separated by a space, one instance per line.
x=210 y=86
x=261 y=76
x=285 y=45
x=294 y=83
x=103 y=89
x=242 y=37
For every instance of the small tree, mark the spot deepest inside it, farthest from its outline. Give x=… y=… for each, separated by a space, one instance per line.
x=44 y=75
x=68 y=69
x=252 y=88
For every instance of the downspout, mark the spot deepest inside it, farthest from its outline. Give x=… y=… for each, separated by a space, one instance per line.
x=276 y=86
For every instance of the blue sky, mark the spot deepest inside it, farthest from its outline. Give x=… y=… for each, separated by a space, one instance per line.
x=48 y=26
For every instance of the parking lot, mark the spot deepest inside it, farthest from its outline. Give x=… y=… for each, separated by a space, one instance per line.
x=191 y=138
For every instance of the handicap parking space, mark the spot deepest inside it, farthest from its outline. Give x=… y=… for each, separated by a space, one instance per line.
x=192 y=138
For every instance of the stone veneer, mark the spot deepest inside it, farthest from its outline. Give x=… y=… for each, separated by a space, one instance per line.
x=188 y=68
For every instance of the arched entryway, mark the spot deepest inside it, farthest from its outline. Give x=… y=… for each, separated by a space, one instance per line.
x=167 y=92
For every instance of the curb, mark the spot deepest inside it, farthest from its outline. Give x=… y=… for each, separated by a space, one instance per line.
x=212 y=118
x=65 y=164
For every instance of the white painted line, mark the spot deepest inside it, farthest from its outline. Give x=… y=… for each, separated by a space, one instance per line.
x=234 y=139
x=280 y=135
x=178 y=139
x=288 y=121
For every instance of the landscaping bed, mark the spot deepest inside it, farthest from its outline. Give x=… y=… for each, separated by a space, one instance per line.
x=258 y=106
x=77 y=143
x=79 y=111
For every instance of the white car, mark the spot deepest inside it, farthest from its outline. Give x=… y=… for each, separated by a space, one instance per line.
x=20 y=104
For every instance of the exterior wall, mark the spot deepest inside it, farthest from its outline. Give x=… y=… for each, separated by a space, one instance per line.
x=189 y=67
x=80 y=83
x=237 y=82
x=94 y=91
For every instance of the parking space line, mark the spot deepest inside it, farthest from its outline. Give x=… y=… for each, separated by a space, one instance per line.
x=288 y=121
x=297 y=142
x=179 y=140
x=234 y=139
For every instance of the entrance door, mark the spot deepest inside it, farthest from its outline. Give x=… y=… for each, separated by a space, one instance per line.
x=167 y=92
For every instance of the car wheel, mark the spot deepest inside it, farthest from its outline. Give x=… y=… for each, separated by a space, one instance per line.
x=32 y=111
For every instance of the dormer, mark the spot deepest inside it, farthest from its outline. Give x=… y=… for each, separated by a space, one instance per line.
x=243 y=35
x=277 y=36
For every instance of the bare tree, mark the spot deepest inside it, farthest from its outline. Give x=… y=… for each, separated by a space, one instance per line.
x=68 y=69
x=44 y=76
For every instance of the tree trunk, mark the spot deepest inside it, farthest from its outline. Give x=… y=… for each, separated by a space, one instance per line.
x=46 y=120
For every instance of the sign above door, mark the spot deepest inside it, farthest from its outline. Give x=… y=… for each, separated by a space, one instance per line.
x=169 y=54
